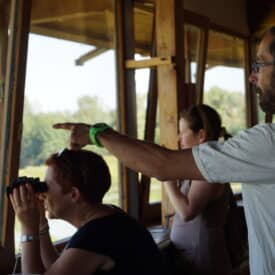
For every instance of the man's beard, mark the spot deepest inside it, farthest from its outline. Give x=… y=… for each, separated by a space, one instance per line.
x=267 y=97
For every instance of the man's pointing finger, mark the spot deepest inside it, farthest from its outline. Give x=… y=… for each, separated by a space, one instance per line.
x=65 y=125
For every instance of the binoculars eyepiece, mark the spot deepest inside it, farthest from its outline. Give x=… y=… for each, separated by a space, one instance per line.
x=37 y=185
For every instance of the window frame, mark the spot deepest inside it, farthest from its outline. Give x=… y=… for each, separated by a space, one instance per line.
x=11 y=120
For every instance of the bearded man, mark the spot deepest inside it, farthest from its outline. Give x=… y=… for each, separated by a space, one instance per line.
x=248 y=157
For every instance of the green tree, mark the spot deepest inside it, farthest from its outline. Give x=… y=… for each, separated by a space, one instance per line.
x=91 y=110
x=230 y=105
x=40 y=140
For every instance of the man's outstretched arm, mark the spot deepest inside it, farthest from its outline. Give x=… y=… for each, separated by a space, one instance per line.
x=147 y=158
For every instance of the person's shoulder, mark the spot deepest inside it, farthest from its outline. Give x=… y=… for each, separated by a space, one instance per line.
x=98 y=229
x=258 y=140
x=261 y=128
x=119 y=221
x=98 y=225
x=256 y=133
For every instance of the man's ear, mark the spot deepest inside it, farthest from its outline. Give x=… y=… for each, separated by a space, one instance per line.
x=202 y=136
x=75 y=194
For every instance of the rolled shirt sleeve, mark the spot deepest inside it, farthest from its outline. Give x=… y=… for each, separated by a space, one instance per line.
x=248 y=157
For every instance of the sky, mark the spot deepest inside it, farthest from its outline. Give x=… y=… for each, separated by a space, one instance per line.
x=54 y=82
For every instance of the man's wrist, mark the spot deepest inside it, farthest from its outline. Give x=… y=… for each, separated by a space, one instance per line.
x=95 y=130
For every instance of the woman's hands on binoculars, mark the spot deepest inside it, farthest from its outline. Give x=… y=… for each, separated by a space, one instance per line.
x=27 y=207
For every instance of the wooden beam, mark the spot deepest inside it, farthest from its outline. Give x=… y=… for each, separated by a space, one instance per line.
x=14 y=90
x=45 y=10
x=91 y=54
x=145 y=9
x=148 y=3
x=250 y=95
x=195 y=19
x=187 y=56
x=73 y=35
x=126 y=98
x=66 y=17
x=13 y=110
x=202 y=57
x=219 y=28
x=3 y=50
x=182 y=93
x=100 y=42
x=167 y=83
x=6 y=254
x=146 y=215
x=148 y=63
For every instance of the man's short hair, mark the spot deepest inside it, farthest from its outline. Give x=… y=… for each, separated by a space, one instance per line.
x=83 y=169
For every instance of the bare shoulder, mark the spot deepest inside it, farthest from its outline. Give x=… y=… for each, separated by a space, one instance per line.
x=78 y=261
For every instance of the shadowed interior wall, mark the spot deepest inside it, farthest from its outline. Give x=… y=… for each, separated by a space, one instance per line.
x=228 y=14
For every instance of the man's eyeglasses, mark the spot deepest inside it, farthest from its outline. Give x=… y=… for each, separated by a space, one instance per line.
x=256 y=66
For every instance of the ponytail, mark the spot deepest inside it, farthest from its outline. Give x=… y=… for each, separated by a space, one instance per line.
x=224 y=135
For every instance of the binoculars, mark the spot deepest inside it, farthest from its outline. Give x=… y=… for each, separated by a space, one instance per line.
x=37 y=185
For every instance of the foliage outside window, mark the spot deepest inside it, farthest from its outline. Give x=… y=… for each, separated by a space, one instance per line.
x=224 y=87
x=70 y=77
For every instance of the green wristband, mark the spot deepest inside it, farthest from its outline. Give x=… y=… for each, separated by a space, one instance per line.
x=96 y=129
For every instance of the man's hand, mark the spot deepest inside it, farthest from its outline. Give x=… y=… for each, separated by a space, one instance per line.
x=79 y=133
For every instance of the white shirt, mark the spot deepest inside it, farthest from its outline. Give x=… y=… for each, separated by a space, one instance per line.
x=248 y=158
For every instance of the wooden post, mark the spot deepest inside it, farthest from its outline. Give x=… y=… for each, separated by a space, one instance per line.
x=3 y=55
x=149 y=135
x=250 y=95
x=126 y=98
x=170 y=81
x=12 y=116
x=202 y=57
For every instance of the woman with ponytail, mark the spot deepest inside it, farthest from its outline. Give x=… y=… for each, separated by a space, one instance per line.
x=198 y=225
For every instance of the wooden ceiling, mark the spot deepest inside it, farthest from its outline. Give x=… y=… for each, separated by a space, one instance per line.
x=261 y=16
x=90 y=22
